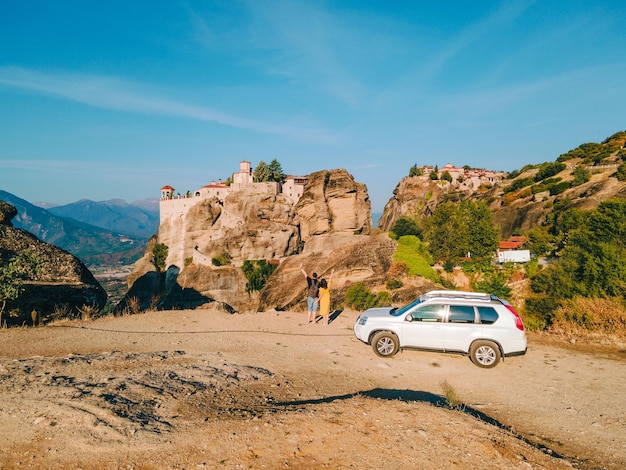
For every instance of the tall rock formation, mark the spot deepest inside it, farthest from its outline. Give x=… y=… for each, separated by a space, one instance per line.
x=60 y=287
x=333 y=203
x=208 y=239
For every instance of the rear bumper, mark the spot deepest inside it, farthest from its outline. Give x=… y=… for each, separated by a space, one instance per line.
x=516 y=353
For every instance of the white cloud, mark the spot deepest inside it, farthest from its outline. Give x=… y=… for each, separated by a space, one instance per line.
x=116 y=94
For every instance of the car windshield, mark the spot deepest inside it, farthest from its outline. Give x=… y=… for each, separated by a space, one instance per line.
x=399 y=311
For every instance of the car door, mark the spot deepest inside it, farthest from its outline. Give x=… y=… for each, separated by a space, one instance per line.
x=422 y=327
x=459 y=328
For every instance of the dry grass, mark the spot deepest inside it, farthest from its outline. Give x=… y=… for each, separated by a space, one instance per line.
x=596 y=317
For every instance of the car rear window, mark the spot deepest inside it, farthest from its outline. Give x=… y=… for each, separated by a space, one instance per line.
x=461 y=314
x=488 y=315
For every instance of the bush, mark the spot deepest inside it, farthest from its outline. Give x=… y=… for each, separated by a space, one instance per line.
x=559 y=188
x=257 y=273
x=222 y=259
x=405 y=226
x=393 y=284
x=579 y=316
x=398 y=269
x=359 y=297
x=448 y=266
x=620 y=174
x=549 y=169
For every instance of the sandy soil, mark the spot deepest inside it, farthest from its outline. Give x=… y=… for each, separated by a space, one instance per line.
x=205 y=389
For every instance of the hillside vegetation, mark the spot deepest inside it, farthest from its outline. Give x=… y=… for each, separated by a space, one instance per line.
x=572 y=215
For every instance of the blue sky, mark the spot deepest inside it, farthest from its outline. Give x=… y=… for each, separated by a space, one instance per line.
x=115 y=99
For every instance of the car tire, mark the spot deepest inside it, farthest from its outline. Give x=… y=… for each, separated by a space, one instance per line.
x=385 y=344
x=485 y=354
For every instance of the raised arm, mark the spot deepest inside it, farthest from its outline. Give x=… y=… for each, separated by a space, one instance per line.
x=303 y=271
x=330 y=278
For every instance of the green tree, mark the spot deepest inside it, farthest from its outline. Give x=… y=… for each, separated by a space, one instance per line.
x=159 y=256
x=446 y=176
x=540 y=240
x=275 y=171
x=455 y=230
x=415 y=171
x=581 y=175
x=548 y=169
x=592 y=258
x=261 y=172
x=405 y=226
x=13 y=274
x=620 y=174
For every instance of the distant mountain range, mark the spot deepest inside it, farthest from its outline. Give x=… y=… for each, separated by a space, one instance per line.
x=139 y=219
x=107 y=233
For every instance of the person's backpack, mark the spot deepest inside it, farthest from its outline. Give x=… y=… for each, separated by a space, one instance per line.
x=314 y=288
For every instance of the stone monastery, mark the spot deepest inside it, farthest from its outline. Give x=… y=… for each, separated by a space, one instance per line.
x=172 y=204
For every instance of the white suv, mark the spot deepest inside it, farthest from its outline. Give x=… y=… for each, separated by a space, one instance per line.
x=482 y=326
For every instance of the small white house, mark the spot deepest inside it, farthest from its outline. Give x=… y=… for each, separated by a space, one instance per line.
x=514 y=256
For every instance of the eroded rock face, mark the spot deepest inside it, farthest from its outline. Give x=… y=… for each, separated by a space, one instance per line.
x=418 y=196
x=333 y=203
x=252 y=223
x=61 y=286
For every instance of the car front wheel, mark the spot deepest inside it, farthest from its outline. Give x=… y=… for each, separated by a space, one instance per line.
x=485 y=354
x=385 y=344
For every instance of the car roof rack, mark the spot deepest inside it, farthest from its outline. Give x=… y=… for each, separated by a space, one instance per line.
x=459 y=295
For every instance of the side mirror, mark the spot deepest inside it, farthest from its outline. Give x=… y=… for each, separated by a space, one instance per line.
x=409 y=318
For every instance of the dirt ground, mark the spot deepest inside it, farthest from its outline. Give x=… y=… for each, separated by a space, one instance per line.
x=205 y=389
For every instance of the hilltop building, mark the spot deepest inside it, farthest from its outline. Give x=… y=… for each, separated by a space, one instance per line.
x=175 y=204
x=477 y=176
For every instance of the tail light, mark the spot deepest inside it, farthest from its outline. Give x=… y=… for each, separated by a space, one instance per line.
x=518 y=320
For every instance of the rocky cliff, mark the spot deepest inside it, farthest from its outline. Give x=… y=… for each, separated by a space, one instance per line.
x=59 y=288
x=526 y=198
x=208 y=242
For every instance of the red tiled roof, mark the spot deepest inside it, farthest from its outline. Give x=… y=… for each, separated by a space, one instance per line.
x=509 y=245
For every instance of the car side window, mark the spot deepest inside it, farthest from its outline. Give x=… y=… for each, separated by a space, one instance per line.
x=461 y=314
x=488 y=315
x=430 y=313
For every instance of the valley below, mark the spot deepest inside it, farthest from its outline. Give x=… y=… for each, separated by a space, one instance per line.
x=206 y=389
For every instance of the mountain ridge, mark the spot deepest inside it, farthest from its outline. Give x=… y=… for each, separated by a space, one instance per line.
x=93 y=245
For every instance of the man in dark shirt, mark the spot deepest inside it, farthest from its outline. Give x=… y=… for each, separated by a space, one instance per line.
x=313 y=289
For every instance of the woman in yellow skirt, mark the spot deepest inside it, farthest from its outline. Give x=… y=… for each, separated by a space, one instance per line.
x=324 y=297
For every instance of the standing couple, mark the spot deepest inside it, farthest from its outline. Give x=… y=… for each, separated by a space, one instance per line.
x=318 y=296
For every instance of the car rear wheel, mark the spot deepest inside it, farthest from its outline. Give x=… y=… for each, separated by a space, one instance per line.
x=485 y=354
x=385 y=344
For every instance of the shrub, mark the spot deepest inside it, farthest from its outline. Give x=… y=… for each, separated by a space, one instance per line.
x=518 y=184
x=581 y=175
x=559 y=188
x=620 y=174
x=398 y=269
x=159 y=256
x=549 y=169
x=494 y=283
x=222 y=259
x=88 y=312
x=257 y=273
x=579 y=316
x=393 y=284
x=405 y=226
x=359 y=297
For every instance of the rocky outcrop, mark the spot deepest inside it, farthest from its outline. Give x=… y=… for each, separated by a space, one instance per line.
x=359 y=258
x=333 y=203
x=418 y=196
x=208 y=242
x=61 y=287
